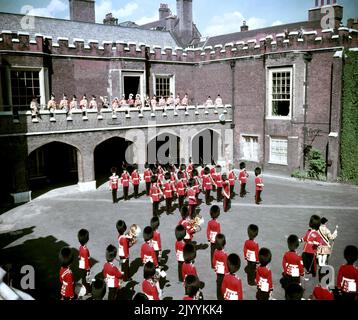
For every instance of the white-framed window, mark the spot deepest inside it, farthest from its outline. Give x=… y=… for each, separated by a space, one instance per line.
x=250 y=148
x=280 y=93
x=278 y=150
x=163 y=85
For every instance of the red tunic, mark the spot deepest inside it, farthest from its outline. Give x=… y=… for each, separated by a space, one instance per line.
x=188 y=269
x=187 y=298
x=113 y=182
x=179 y=247
x=220 y=261
x=156 y=241
x=148 y=175
x=347 y=279
x=212 y=230
x=251 y=251
x=83 y=257
x=135 y=178
x=320 y=293
x=67 y=283
x=189 y=231
x=292 y=264
x=192 y=196
x=231 y=287
x=125 y=179
x=111 y=275
x=226 y=189
x=218 y=180
x=231 y=178
x=147 y=253
x=312 y=240
x=243 y=176
x=258 y=181
x=207 y=182
x=150 y=289
x=189 y=170
x=168 y=190
x=123 y=247
x=180 y=188
x=264 y=279
x=155 y=192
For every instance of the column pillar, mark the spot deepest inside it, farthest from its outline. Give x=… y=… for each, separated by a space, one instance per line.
x=86 y=176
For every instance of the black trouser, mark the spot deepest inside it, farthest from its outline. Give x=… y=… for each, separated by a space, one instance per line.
x=219 y=281
x=212 y=250
x=180 y=274
x=262 y=295
x=168 y=204
x=181 y=202
x=232 y=188
x=136 y=187
x=147 y=188
x=125 y=268
x=227 y=204
x=309 y=262
x=251 y=273
x=114 y=195
x=207 y=196
x=286 y=280
x=125 y=192
x=83 y=274
x=112 y=293
x=192 y=209
x=258 y=196
x=155 y=208
x=242 y=190
x=219 y=195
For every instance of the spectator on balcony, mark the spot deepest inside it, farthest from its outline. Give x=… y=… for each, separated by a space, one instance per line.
x=123 y=101
x=147 y=102
x=138 y=101
x=84 y=102
x=93 y=103
x=218 y=101
x=209 y=102
x=153 y=102
x=162 y=102
x=115 y=104
x=130 y=101
x=170 y=100
x=185 y=100
x=177 y=100
x=51 y=105
x=34 y=107
x=104 y=101
x=73 y=103
x=64 y=103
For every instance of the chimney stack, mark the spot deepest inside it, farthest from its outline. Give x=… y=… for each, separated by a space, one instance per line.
x=321 y=13
x=164 y=11
x=82 y=10
x=185 y=16
x=244 y=27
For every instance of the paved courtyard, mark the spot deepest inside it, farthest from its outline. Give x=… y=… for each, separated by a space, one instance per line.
x=32 y=234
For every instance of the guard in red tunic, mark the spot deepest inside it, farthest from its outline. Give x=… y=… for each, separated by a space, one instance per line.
x=123 y=249
x=231 y=287
x=147 y=178
x=147 y=252
x=84 y=265
x=213 y=176
x=218 y=183
x=180 y=233
x=321 y=293
x=168 y=192
x=185 y=174
x=180 y=187
x=251 y=254
x=226 y=193
x=66 y=275
x=207 y=185
x=135 y=177
x=232 y=177
x=111 y=273
x=156 y=241
x=155 y=196
x=125 y=178
x=192 y=200
x=186 y=223
x=243 y=175
x=212 y=230
x=259 y=185
x=192 y=287
x=113 y=184
x=264 y=275
x=150 y=286
x=189 y=169
x=189 y=253
x=220 y=263
x=197 y=184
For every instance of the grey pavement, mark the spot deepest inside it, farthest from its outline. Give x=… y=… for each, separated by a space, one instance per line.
x=34 y=232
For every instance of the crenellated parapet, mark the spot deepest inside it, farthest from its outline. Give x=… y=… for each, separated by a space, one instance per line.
x=108 y=119
x=280 y=42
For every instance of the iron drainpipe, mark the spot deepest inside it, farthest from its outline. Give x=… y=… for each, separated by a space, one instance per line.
x=232 y=66
x=307 y=59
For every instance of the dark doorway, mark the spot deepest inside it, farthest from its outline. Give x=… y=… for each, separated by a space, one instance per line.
x=165 y=149
x=108 y=154
x=131 y=85
x=51 y=166
x=205 y=147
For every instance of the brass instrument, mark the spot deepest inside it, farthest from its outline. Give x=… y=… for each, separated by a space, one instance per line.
x=132 y=234
x=196 y=223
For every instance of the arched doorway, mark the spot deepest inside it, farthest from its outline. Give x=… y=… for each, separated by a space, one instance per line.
x=205 y=147
x=108 y=154
x=164 y=149
x=51 y=166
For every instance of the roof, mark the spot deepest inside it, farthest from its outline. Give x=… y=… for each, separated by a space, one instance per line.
x=259 y=33
x=59 y=28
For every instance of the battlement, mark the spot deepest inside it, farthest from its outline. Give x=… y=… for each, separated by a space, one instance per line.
x=107 y=119
x=280 y=42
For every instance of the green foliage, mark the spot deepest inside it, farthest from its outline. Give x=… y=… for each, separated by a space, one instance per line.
x=316 y=164
x=349 y=134
x=299 y=174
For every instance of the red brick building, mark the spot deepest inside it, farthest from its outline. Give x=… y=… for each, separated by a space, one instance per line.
x=284 y=83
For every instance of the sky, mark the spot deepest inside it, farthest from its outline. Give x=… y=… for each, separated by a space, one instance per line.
x=212 y=17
